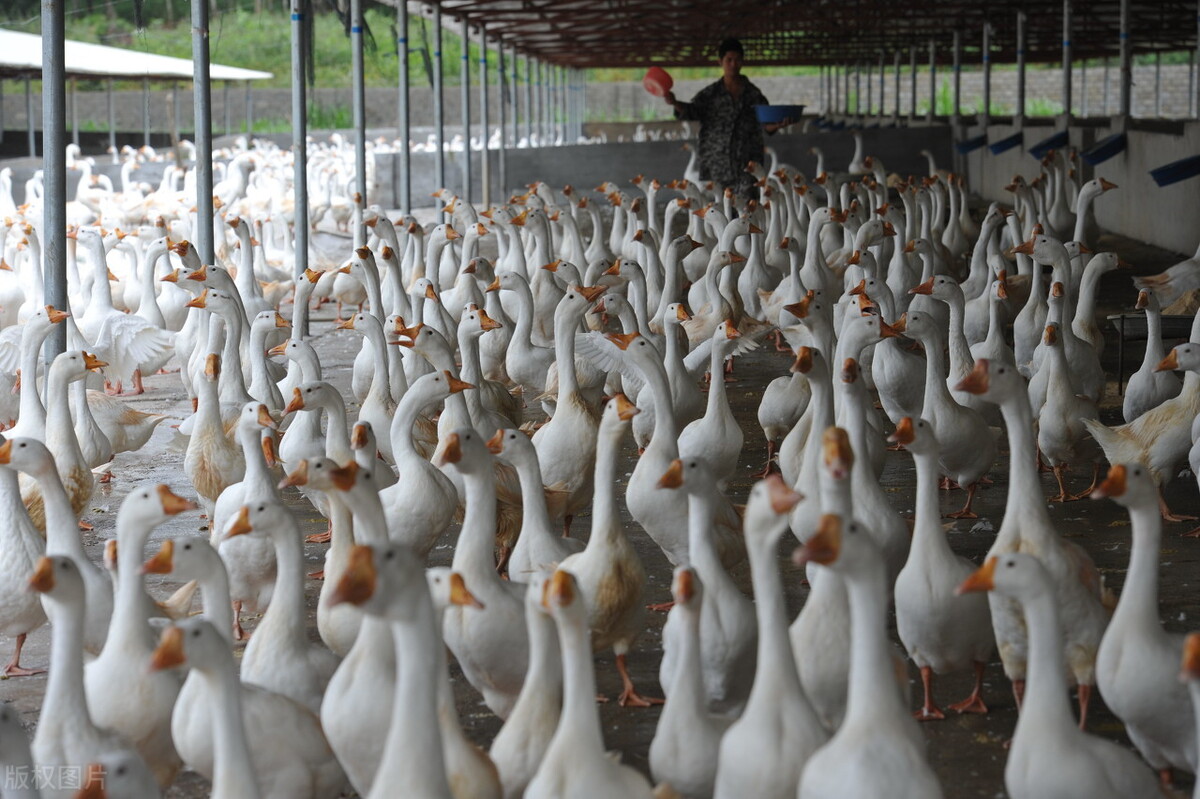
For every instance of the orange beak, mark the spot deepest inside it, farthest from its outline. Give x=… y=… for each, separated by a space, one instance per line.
x=1169 y=363
x=673 y=478
x=976 y=382
x=241 y=523
x=1114 y=484
x=42 y=579
x=172 y=503
x=162 y=562
x=358 y=580
x=983 y=579
x=169 y=653
x=626 y=410
x=459 y=595
x=449 y=452
x=904 y=433
x=825 y=545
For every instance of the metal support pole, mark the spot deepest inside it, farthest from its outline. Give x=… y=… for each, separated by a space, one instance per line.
x=1066 y=57
x=225 y=106
x=882 y=86
x=300 y=151
x=146 y=111
x=54 y=168
x=403 y=131
x=896 y=110
x=957 y=112
x=858 y=109
x=439 y=118
x=870 y=90
x=112 y=116
x=502 y=112
x=1106 y=85
x=485 y=167
x=1194 y=98
x=932 y=81
x=528 y=117
x=1083 y=88
x=358 y=102
x=514 y=104
x=1020 y=65
x=74 y=113
x=31 y=128
x=249 y=110
x=912 y=70
x=464 y=79
x=986 y=116
x=846 y=90
x=1 y=109
x=202 y=119
x=1126 y=63
x=175 y=113
x=1158 y=84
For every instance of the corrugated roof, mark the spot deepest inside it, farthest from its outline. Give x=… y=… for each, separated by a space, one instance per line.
x=635 y=33
x=21 y=55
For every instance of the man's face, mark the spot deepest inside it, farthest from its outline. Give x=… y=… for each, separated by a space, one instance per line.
x=731 y=64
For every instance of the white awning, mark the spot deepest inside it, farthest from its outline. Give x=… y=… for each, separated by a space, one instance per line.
x=21 y=55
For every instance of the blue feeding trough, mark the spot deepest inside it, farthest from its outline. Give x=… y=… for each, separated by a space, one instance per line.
x=971 y=145
x=1105 y=149
x=1176 y=171
x=1007 y=143
x=1054 y=142
x=778 y=113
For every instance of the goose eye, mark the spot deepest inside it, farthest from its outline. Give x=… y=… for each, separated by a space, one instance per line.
x=1010 y=563
x=120 y=771
x=262 y=508
x=187 y=546
x=196 y=633
x=388 y=555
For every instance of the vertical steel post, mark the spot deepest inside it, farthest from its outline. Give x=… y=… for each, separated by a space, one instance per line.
x=225 y=106
x=912 y=73
x=300 y=153
x=957 y=112
x=932 y=81
x=54 y=168
x=1021 y=65
x=1066 y=57
x=896 y=110
x=485 y=168
x=202 y=119
x=528 y=118
x=403 y=131
x=465 y=99
x=1126 y=63
x=249 y=110
x=32 y=129
x=1 y=109
x=74 y=113
x=502 y=109
x=1194 y=98
x=986 y=49
x=882 y=86
x=359 y=100
x=146 y=111
x=1083 y=88
x=175 y=112
x=870 y=89
x=439 y=119
x=112 y=116
x=1158 y=84
x=1106 y=85
x=858 y=98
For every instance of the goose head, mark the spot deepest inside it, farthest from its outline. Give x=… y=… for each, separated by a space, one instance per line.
x=27 y=455
x=994 y=381
x=436 y=387
x=922 y=327
x=315 y=394
x=265 y=321
x=1103 y=262
x=467 y=451
x=430 y=345
x=860 y=332
x=617 y=414
x=576 y=302
x=362 y=437
x=266 y=516
x=687 y=591
x=1015 y=575
x=512 y=447
x=694 y=475
x=149 y=505
x=194 y=642
x=767 y=510
x=447 y=587
x=726 y=337
x=387 y=580
x=1043 y=249
x=1185 y=356
x=74 y=365
x=940 y=287
x=1130 y=485
x=188 y=557
x=361 y=322
x=476 y=322
x=118 y=773
x=58 y=577
x=322 y=474
x=916 y=436
x=564 y=600
x=639 y=350
x=1147 y=301
x=842 y=545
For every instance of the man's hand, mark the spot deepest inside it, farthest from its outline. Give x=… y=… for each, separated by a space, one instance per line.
x=772 y=127
x=670 y=98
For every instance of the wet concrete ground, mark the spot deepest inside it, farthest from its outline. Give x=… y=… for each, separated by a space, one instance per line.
x=966 y=751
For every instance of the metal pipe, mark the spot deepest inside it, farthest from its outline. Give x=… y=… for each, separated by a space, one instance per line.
x=932 y=81
x=501 y=112
x=1106 y=85
x=896 y=110
x=74 y=113
x=1194 y=98
x=912 y=69
x=439 y=120
x=1126 y=63
x=1021 y=64
x=403 y=132
x=175 y=113
x=300 y=154
x=358 y=101
x=846 y=88
x=1 y=109
x=1066 y=57
x=54 y=169
x=986 y=50
x=858 y=88
x=32 y=129
x=870 y=91
x=464 y=79
x=528 y=118
x=882 y=85
x=112 y=121
x=202 y=119
x=249 y=110
x=146 y=112
x=957 y=76
x=225 y=106
x=485 y=168
x=1158 y=84
x=514 y=103
x=1083 y=87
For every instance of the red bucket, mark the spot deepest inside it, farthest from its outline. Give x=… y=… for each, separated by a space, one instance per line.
x=657 y=81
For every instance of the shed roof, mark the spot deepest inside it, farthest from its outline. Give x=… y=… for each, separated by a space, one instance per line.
x=635 y=33
x=21 y=55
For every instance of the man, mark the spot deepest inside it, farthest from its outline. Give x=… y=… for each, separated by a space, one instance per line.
x=730 y=133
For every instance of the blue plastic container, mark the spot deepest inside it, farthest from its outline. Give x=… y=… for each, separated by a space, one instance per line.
x=778 y=113
x=1105 y=149
x=1054 y=142
x=971 y=145
x=1007 y=143
x=1176 y=171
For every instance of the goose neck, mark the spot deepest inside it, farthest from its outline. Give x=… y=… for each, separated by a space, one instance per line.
x=1139 y=601
x=872 y=682
x=65 y=701
x=474 y=555
x=717 y=396
x=536 y=517
x=701 y=550
x=233 y=771
x=927 y=529
x=666 y=429
x=579 y=719
x=564 y=354
x=1046 y=707
x=62 y=536
x=605 y=516
x=776 y=661
x=1025 y=491
x=31 y=407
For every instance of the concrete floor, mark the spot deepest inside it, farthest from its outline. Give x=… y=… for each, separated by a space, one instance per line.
x=966 y=751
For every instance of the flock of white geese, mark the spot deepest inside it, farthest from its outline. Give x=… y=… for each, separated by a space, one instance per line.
x=593 y=332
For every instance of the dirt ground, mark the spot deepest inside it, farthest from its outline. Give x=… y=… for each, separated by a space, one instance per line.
x=966 y=751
